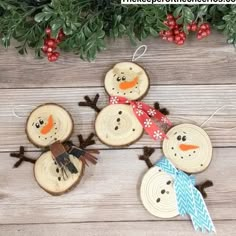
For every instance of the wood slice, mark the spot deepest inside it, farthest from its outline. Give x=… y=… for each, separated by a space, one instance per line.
x=188 y=147
x=50 y=177
x=116 y=125
x=158 y=194
x=47 y=124
x=127 y=79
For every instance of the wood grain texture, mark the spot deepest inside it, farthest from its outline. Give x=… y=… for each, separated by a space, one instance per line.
x=108 y=191
x=208 y=61
x=192 y=81
x=193 y=103
x=153 y=228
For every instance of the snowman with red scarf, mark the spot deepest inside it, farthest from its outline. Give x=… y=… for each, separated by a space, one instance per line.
x=124 y=120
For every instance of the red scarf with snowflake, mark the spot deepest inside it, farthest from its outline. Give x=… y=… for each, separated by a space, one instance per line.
x=144 y=113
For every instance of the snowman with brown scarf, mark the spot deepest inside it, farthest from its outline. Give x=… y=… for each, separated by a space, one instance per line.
x=61 y=164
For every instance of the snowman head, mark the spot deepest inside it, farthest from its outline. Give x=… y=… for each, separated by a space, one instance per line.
x=127 y=79
x=47 y=124
x=158 y=193
x=188 y=147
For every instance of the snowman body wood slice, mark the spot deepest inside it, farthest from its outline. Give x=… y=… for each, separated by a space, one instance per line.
x=117 y=123
x=61 y=165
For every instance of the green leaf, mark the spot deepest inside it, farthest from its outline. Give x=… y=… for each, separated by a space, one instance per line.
x=153 y=32
x=177 y=11
x=180 y=20
x=122 y=28
x=39 y=17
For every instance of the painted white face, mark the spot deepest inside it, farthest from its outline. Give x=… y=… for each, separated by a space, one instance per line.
x=158 y=194
x=48 y=123
x=127 y=79
x=116 y=125
x=50 y=176
x=188 y=147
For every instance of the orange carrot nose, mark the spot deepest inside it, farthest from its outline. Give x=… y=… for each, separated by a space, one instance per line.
x=187 y=147
x=47 y=128
x=128 y=84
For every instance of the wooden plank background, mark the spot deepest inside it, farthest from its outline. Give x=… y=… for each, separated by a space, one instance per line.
x=192 y=81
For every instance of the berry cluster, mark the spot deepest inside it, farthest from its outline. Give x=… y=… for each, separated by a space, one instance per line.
x=176 y=33
x=203 y=31
x=50 y=45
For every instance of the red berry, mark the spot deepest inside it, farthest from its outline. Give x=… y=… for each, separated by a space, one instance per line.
x=208 y=32
x=49 y=54
x=49 y=49
x=194 y=27
x=168 y=33
x=52 y=58
x=164 y=37
x=51 y=43
x=182 y=34
x=177 y=38
x=170 y=39
x=176 y=31
x=204 y=34
x=162 y=33
x=57 y=54
x=48 y=31
x=189 y=27
x=199 y=36
x=165 y=22
x=45 y=48
x=200 y=31
x=203 y=27
x=172 y=23
x=169 y=17
x=180 y=42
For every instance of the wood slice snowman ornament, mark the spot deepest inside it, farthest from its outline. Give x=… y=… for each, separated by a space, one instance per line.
x=167 y=191
x=61 y=165
x=123 y=121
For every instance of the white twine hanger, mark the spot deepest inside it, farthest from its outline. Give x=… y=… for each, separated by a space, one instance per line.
x=209 y=118
x=14 y=110
x=135 y=57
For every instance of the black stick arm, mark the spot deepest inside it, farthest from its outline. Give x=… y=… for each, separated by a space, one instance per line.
x=91 y=103
x=147 y=152
x=163 y=110
x=87 y=142
x=21 y=157
x=201 y=187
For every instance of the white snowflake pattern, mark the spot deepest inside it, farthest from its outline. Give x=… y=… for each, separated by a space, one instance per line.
x=151 y=112
x=157 y=134
x=139 y=105
x=114 y=100
x=147 y=123
x=139 y=112
x=164 y=120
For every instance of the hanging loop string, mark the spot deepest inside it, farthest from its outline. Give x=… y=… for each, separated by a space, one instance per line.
x=14 y=110
x=213 y=114
x=208 y=119
x=142 y=47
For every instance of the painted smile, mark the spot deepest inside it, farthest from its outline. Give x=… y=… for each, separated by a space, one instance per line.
x=48 y=127
x=128 y=84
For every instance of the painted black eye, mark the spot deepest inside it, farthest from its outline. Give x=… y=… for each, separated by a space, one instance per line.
x=41 y=122
x=118 y=79
x=123 y=78
x=179 y=137
x=37 y=125
x=184 y=138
